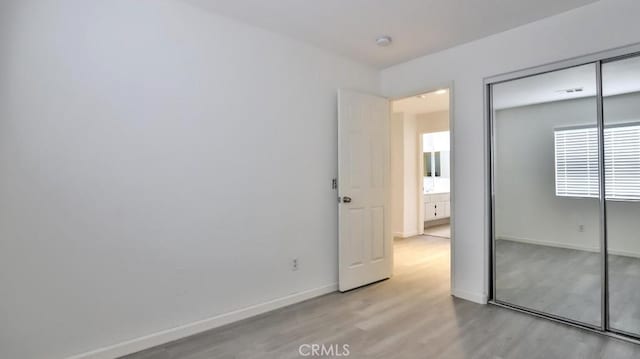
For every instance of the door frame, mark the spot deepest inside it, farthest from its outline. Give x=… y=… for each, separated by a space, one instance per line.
x=450 y=86
x=598 y=59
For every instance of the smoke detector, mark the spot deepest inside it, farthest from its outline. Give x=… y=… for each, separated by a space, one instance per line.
x=384 y=41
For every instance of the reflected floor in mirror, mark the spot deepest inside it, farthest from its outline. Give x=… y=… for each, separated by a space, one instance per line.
x=566 y=282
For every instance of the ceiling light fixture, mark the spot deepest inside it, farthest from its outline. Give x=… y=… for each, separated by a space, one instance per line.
x=384 y=41
x=441 y=92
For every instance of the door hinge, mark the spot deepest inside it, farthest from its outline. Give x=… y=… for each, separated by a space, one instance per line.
x=334 y=183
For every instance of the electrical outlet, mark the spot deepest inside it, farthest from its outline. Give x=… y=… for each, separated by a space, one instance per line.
x=581 y=228
x=294 y=264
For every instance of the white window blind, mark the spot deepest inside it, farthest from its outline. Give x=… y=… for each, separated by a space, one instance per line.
x=622 y=162
x=576 y=157
x=576 y=162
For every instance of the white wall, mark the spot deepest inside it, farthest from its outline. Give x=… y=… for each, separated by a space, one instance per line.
x=397 y=174
x=404 y=175
x=526 y=205
x=411 y=184
x=527 y=208
x=133 y=137
x=160 y=165
x=603 y=25
x=623 y=227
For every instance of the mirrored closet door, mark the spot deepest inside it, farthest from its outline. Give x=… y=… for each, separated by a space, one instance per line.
x=621 y=109
x=565 y=194
x=546 y=206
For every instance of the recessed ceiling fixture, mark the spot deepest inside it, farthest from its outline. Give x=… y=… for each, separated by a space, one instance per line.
x=423 y=96
x=441 y=92
x=384 y=41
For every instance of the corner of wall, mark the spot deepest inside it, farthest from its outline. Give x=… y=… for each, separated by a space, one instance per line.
x=480 y=298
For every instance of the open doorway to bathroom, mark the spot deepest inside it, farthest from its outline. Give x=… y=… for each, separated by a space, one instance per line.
x=421 y=174
x=421 y=165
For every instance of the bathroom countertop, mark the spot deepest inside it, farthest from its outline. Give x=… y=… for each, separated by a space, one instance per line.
x=437 y=192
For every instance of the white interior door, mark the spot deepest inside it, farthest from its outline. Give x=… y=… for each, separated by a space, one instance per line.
x=365 y=240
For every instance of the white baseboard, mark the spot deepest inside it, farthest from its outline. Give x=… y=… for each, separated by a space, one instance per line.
x=624 y=253
x=480 y=298
x=165 y=336
x=569 y=246
x=549 y=243
x=405 y=234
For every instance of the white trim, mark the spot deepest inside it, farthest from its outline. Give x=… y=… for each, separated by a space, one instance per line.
x=480 y=298
x=169 y=335
x=568 y=246
x=623 y=253
x=548 y=243
x=420 y=183
x=452 y=190
x=487 y=233
x=405 y=234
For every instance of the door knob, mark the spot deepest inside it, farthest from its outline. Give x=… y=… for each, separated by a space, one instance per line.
x=346 y=199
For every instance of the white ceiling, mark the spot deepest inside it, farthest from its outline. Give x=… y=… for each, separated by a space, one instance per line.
x=618 y=77
x=418 y=27
x=429 y=102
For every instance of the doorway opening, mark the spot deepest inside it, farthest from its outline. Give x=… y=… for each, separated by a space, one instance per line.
x=421 y=169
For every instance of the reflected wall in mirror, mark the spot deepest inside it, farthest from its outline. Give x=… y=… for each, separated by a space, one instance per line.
x=621 y=107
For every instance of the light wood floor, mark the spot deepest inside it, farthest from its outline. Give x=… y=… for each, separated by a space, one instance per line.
x=410 y=315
